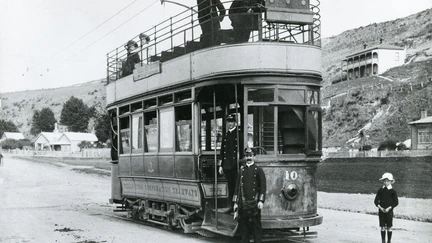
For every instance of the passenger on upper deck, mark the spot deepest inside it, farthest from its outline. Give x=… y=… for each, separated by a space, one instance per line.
x=209 y=20
x=132 y=58
x=243 y=19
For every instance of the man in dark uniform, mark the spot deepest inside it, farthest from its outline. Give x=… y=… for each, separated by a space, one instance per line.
x=250 y=187
x=209 y=20
x=244 y=18
x=229 y=149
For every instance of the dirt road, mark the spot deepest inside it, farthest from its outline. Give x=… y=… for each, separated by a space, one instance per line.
x=44 y=203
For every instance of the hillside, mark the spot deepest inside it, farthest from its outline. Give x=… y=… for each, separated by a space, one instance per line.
x=383 y=105
x=19 y=107
x=413 y=32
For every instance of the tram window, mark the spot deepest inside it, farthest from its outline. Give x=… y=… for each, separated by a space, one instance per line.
x=124 y=109
x=291 y=126
x=208 y=126
x=313 y=131
x=261 y=95
x=292 y=96
x=137 y=133
x=261 y=128
x=165 y=99
x=184 y=95
x=151 y=132
x=136 y=106
x=183 y=120
x=125 y=135
x=166 y=130
x=313 y=97
x=149 y=103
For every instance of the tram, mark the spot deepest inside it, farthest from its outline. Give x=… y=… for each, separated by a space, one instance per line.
x=168 y=118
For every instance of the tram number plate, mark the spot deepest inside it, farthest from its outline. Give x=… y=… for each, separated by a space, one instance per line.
x=291 y=175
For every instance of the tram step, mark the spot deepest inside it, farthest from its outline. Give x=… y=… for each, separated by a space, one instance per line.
x=155 y=58
x=167 y=55
x=179 y=50
x=192 y=46
x=224 y=220
x=220 y=230
x=226 y=36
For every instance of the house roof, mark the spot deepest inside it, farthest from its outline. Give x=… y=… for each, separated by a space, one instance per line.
x=13 y=135
x=79 y=136
x=425 y=120
x=50 y=136
x=380 y=46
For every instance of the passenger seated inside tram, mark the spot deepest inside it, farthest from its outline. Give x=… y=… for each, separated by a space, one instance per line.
x=132 y=58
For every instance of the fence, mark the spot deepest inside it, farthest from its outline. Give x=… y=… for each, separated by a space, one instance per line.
x=85 y=153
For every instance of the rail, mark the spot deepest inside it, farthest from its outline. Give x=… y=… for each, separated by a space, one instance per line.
x=182 y=34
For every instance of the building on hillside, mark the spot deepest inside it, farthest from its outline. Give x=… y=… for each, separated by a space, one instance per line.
x=12 y=135
x=372 y=61
x=421 y=132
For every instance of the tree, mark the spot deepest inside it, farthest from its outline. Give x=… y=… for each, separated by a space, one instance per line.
x=11 y=144
x=43 y=121
x=7 y=126
x=76 y=115
x=103 y=128
x=84 y=144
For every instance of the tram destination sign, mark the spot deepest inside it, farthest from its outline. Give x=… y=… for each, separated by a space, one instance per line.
x=142 y=71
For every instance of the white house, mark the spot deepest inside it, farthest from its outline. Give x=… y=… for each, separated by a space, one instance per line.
x=372 y=61
x=12 y=135
x=69 y=140
x=46 y=140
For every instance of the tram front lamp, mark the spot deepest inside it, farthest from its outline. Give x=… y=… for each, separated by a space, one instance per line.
x=290 y=191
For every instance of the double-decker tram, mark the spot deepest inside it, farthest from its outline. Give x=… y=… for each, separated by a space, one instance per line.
x=168 y=116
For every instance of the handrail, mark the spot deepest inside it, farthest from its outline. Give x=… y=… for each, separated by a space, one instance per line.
x=180 y=34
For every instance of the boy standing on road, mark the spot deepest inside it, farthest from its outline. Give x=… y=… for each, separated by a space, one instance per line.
x=386 y=199
x=1 y=159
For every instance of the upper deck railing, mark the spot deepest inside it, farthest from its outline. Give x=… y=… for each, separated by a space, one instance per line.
x=182 y=34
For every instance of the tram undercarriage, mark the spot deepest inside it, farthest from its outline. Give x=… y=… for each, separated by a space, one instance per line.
x=203 y=222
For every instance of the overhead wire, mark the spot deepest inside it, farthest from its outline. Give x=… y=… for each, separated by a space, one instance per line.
x=85 y=48
x=82 y=37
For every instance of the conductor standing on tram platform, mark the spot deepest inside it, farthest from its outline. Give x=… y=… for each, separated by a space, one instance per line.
x=249 y=197
x=229 y=149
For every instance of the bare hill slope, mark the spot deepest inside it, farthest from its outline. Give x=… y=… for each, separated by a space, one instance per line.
x=19 y=107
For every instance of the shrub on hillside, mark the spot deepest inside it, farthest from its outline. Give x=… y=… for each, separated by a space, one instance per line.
x=387 y=145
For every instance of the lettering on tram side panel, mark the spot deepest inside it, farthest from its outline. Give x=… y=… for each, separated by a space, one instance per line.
x=181 y=192
x=146 y=70
x=208 y=190
x=128 y=187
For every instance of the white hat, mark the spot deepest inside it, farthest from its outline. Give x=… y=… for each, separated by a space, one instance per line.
x=388 y=176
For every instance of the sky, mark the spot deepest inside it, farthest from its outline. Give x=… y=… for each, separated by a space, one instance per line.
x=56 y=43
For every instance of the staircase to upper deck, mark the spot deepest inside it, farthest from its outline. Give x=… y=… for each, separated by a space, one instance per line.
x=225 y=36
